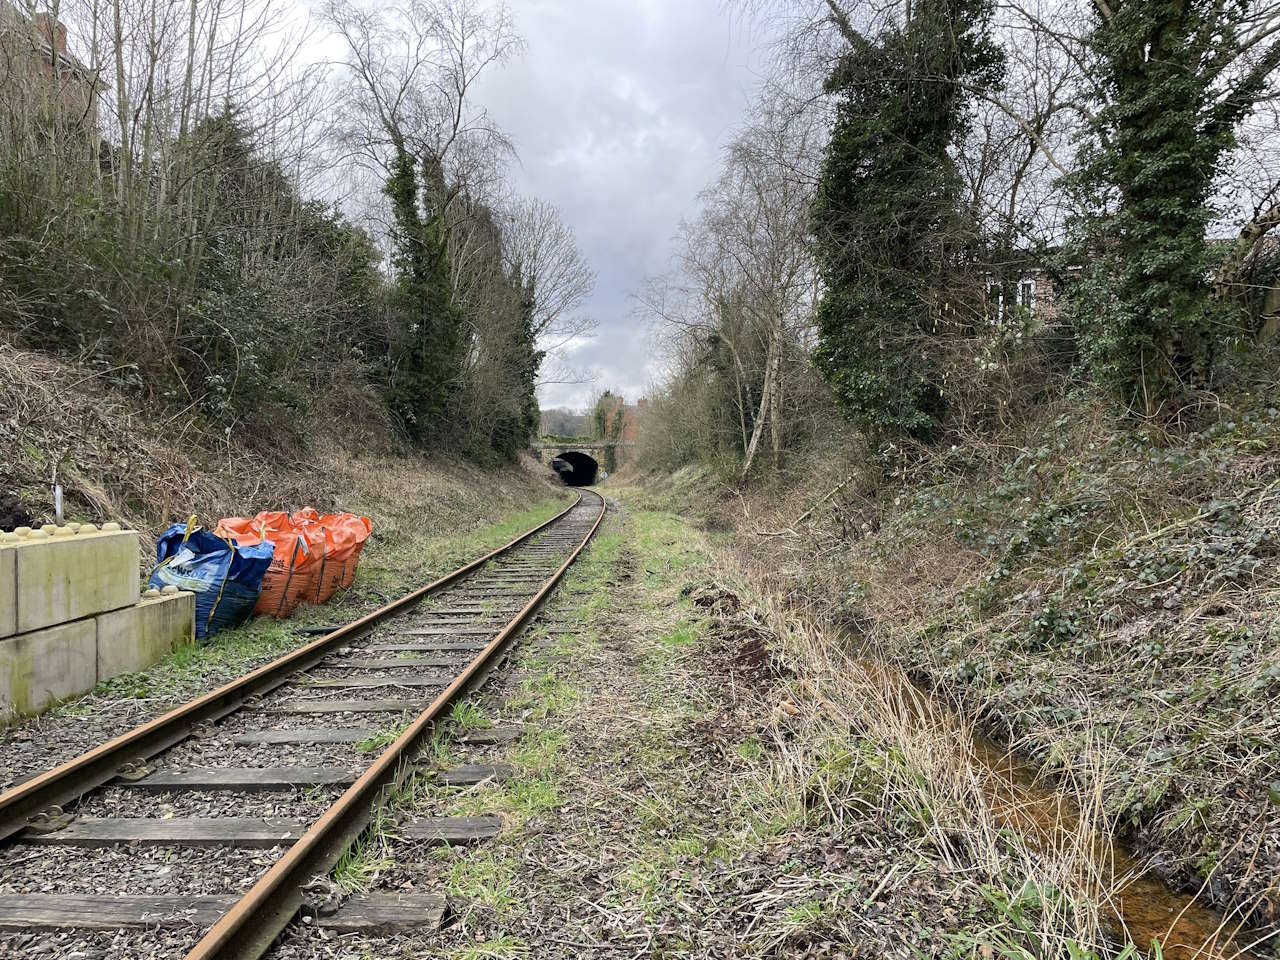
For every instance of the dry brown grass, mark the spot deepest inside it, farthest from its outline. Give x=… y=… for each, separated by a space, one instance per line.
x=77 y=427
x=856 y=739
x=859 y=738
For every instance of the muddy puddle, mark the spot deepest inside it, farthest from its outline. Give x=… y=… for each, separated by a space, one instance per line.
x=1144 y=906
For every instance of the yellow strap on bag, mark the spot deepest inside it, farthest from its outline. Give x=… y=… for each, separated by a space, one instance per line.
x=192 y=526
x=186 y=535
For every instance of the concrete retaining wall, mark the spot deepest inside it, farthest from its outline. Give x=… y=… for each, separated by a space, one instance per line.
x=39 y=669
x=70 y=614
x=138 y=636
x=67 y=573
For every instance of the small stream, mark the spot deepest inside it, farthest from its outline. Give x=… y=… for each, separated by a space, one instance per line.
x=1147 y=907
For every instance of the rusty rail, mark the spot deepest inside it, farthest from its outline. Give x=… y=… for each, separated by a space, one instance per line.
x=248 y=929
x=92 y=769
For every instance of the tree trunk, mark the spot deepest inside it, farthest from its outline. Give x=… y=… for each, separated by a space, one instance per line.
x=775 y=408
x=766 y=400
x=124 y=170
x=1231 y=274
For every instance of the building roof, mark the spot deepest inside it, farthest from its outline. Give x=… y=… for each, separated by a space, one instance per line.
x=42 y=33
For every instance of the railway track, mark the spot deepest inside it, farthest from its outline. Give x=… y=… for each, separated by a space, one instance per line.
x=282 y=769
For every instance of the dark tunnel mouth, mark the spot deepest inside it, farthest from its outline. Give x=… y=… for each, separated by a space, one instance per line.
x=582 y=471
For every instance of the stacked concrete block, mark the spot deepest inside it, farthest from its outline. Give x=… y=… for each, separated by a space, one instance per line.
x=38 y=669
x=71 y=574
x=70 y=614
x=137 y=636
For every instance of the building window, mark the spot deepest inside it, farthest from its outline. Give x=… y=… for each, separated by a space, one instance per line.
x=1027 y=296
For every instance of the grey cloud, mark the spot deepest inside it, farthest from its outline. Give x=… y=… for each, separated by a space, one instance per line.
x=619 y=112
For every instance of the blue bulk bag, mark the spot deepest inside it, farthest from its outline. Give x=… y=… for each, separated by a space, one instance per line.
x=225 y=578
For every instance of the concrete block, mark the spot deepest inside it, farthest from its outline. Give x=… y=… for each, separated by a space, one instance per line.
x=68 y=577
x=40 y=668
x=8 y=592
x=136 y=637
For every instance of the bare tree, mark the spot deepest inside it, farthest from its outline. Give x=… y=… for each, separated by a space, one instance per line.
x=543 y=254
x=745 y=285
x=411 y=70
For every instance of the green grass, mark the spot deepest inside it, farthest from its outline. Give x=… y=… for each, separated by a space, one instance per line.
x=805 y=916
x=677 y=638
x=186 y=670
x=538 y=750
x=516 y=799
x=544 y=696
x=440 y=751
x=379 y=741
x=533 y=789
x=467 y=715
x=358 y=868
x=529 y=796
x=483 y=877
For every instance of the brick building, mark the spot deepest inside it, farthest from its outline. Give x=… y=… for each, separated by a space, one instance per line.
x=45 y=92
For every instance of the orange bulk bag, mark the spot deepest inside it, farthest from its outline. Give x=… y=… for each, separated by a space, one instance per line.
x=360 y=529
x=298 y=553
x=345 y=534
x=318 y=591
x=304 y=551
x=329 y=575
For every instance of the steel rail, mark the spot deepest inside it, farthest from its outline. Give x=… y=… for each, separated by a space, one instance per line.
x=92 y=769
x=248 y=929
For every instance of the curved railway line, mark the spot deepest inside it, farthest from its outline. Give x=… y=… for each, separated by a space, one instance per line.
x=301 y=721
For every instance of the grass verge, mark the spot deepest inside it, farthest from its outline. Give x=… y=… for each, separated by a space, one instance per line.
x=1102 y=597
x=680 y=795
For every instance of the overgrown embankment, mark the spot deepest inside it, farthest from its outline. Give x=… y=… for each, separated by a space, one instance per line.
x=1104 y=597
x=119 y=459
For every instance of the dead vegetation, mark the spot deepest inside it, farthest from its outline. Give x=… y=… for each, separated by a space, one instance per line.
x=863 y=745
x=116 y=461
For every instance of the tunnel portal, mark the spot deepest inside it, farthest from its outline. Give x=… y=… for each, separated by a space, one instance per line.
x=576 y=469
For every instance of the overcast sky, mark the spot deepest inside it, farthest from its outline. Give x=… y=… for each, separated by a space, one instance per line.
x=619 y=110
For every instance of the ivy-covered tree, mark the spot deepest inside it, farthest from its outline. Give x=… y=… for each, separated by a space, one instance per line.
x=517 y=362
x=888 y=220
x=1173 y=91
x=610 y=417
x=427 y=342
x=527 y=364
